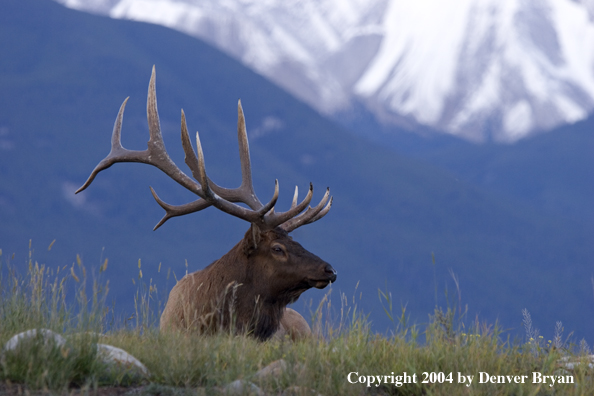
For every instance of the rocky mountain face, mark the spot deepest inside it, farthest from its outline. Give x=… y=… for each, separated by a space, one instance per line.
x=480 y=69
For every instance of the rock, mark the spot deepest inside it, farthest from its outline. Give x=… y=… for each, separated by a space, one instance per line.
x=50 y=340
x=48 y=336
x=121 y=360
x=274 y=369
x=242 y=387
x=114 y=358
x=568 y=364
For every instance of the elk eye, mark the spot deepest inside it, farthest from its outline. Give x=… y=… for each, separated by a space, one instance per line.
x=277 y=249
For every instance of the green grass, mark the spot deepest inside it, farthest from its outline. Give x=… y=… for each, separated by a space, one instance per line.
x=183 y=364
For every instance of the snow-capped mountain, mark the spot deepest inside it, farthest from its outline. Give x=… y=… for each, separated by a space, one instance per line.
x=479 y=69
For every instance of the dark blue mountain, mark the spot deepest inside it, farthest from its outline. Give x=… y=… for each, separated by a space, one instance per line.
x=63 y=76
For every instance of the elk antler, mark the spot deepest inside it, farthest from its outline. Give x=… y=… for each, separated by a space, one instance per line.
x=208 y=192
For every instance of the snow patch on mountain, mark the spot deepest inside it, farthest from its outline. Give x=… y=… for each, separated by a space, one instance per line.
x=484 y=69
x=479 y=69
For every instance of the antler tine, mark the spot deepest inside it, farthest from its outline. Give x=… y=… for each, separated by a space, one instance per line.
x=278 y=218
x=310 y=215
x=190 y=158
x=244 y=155
x=322 y=213
x=270 y=205
x=293 y=203
x=295 y=196
x=178 y=210
x=201 y=177
x=116 y=148
x=195 y=163
x=155 y=154
x=245 y=192
x=197 y=166
x=225 y=196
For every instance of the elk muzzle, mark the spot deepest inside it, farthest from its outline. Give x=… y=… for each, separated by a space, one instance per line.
x=328 y=275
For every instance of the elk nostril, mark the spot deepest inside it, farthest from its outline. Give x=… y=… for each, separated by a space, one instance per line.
x=330 y=271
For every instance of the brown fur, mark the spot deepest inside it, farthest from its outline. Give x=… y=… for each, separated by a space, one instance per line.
x=246 y=290
x=292 y=325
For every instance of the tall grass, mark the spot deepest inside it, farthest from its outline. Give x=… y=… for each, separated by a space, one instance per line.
x=343 y=343
x=38 y=300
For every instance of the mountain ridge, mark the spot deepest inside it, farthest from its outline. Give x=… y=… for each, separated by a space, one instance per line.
x=480 y=70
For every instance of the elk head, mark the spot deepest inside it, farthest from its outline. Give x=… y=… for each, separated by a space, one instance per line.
x=269 y=268
x=292 y=268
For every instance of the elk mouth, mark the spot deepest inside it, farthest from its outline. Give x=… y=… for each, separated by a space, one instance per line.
x=322 y=283
x=318 y=284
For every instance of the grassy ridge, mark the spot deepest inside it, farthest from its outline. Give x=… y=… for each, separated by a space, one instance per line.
x=71 y=301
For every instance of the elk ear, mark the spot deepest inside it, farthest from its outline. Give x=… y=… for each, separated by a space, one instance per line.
x=253 y=239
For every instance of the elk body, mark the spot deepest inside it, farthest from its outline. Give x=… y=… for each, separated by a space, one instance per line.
x=247 y=290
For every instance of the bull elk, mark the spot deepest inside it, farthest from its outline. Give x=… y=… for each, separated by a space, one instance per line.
x=247 y=290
